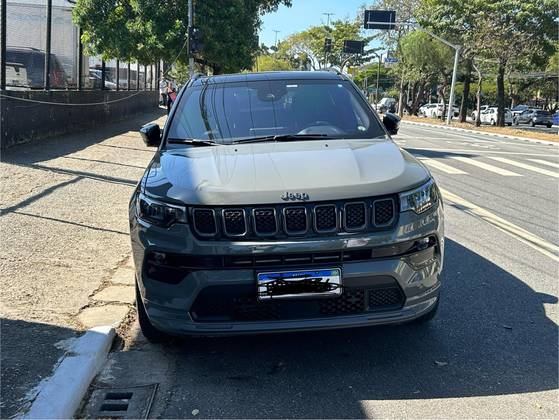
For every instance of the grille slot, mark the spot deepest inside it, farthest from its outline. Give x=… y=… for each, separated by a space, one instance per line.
x=204 y=222
x=385 y=298
x=355 y=216
x=383 y=212
x=325 y=218
x=265 y=222
x=234 y=222
x=295 y=220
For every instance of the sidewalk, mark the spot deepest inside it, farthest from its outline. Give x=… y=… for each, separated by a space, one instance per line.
x=64 y=258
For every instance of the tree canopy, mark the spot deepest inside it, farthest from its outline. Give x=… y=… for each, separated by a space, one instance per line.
x=150 y=30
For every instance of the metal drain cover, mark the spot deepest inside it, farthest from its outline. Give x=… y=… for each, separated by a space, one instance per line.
x=120 y=403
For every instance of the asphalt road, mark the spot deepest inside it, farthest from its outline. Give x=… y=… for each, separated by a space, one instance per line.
x=490 y=353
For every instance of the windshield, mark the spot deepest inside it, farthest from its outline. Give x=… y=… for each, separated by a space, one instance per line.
x=230 y=111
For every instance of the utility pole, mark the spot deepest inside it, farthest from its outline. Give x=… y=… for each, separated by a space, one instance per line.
x=47 y=45
x=276 y=42
x=190 y=25
x=378 y=74
x=328 y=17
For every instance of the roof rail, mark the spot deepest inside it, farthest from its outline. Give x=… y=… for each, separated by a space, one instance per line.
x=331 y=70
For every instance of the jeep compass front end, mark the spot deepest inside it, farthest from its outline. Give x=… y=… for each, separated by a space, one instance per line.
x=278 y=202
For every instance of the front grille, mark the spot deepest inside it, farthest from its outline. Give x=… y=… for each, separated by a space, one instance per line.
x=265 y=221
x=204 y=221
x=234 y=222
x=325 y=218
x=355 y=216
x=285 y=220
x=384 y=212
x=239 y=303
x=295 y=220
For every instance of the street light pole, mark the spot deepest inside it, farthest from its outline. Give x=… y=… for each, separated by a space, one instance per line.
x=453 y=85
x=378 y=74
x=190 y=56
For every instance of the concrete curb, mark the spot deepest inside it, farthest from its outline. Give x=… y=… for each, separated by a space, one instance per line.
x=506 y=136
x=60 y=395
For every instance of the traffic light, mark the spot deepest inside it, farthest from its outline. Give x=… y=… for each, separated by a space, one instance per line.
x=195 y=44
x=327 y=45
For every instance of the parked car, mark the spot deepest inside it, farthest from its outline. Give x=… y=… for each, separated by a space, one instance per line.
x=96 y=80
x=25 y=67
x=519 y=109
x=556 y=118
x=386 y=105
x=481 y=109
x=435 y=110
x=535 y=117
x=254 y=217
x=489 y=116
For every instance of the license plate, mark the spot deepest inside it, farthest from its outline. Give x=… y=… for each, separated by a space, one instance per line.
x=299 y=284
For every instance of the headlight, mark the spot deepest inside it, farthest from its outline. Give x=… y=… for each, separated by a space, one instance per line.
x=420 y=199
x=158 y=213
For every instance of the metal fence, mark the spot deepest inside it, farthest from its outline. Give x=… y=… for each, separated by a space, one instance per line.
x=40 y=49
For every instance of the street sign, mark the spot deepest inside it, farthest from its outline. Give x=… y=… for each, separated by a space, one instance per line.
x=391 y=60
x=380 y=19
x=353 y=47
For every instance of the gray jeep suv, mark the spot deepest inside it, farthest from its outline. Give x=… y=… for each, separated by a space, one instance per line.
x=279 y=202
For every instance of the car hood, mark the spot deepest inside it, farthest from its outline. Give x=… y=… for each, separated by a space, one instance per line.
x=260 y=173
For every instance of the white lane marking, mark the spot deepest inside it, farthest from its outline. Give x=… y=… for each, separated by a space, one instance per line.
x=545 y=162
x=525 y=166
x=547 y=248
x=441 y=166
x=485 y=166
x=476 y=152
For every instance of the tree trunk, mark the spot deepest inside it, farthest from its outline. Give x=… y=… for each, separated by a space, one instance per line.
x=478 y=95
x=501 y=94
x=466 y=93
x=401 y=97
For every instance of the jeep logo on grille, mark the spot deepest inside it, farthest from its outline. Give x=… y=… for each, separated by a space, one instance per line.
x=287 y=196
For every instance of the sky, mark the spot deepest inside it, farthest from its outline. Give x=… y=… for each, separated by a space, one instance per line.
x=302 y=14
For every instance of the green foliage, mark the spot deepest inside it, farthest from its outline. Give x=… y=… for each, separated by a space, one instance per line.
x=272 y=62
x=149 y=30
x=423 y=58
x=310 y=44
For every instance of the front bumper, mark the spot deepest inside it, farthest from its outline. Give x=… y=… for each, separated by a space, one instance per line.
x=170 y=305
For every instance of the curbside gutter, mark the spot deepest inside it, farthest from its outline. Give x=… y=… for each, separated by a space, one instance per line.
x=506 y=136
x=60 y=395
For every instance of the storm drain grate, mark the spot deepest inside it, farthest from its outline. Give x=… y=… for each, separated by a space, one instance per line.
x=121 y=403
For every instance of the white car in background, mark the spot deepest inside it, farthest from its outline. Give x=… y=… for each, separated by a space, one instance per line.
x=489 y=116
x=481 y=109
x=435 y=110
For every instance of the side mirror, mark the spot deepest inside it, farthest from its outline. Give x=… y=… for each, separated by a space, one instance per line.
x=391 y=122
x=151 y=134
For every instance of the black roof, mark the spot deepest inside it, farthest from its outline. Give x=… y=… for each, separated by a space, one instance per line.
x=270 y=75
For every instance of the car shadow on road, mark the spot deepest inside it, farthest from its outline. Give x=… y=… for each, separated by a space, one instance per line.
x=491 y=337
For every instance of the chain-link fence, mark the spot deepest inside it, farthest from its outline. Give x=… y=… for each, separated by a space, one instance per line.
x=26 y=44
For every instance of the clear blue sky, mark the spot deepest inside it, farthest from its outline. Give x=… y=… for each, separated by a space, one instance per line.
x=305 y=13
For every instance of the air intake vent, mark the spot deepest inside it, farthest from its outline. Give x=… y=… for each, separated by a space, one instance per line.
x=204 y=222
x=384 y=212
x=234 y=222
x=355 y=216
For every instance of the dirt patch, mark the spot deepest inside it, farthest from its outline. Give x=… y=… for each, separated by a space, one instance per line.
x=509 y=131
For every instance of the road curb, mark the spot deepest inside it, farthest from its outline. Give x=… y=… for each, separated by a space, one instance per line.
x=506 y=136
x=60 y=395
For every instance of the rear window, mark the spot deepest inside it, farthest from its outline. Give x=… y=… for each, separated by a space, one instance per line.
x=228 y=111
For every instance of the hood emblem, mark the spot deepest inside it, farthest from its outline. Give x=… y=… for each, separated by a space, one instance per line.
x=288 y=196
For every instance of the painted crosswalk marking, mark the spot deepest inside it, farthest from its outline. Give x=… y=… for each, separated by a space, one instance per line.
x=525 y=166
x=485 y=166
x=545 y=162
x=442 y=166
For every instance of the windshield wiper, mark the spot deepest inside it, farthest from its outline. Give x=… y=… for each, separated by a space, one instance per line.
x=282 y=137
x=193 y=142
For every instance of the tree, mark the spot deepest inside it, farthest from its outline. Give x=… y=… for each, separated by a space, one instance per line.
x=508 y=31
x=272 y=62
x=150 y=30
x=310 y=43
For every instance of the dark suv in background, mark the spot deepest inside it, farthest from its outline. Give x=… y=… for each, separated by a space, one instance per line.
x=534 y=117
x=25 y=67
x=279 y=202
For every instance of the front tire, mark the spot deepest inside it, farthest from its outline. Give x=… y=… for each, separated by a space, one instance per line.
x=533 y=124
x=152 y=334
x=548 y=125
x=492 y=122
